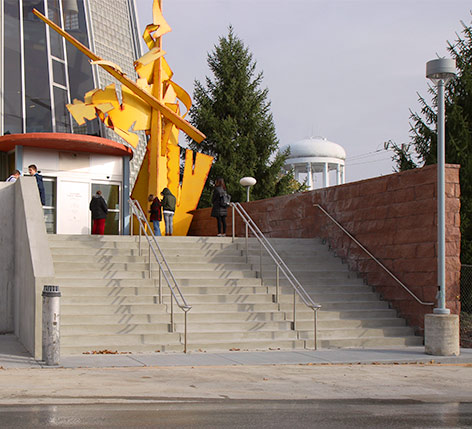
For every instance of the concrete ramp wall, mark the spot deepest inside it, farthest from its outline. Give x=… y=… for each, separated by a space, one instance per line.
x=26 y=262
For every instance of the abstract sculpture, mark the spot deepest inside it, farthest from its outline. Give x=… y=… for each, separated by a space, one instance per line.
x=151 y=104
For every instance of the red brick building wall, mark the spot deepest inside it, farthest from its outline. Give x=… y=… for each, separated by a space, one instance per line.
x=393 y=216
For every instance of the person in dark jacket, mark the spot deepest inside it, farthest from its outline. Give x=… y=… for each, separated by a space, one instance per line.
x=156 y=213
x=219 y=210
x=33 y=171
x=168 y=209
x=99 y=209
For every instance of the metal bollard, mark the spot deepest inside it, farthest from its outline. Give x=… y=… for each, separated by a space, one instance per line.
x=51 y=335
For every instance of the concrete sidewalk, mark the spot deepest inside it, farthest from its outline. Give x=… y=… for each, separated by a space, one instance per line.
x=13 y=355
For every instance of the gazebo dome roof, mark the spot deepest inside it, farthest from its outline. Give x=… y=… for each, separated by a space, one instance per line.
x=317 y=147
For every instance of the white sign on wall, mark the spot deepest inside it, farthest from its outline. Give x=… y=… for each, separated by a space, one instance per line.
x=73 y=207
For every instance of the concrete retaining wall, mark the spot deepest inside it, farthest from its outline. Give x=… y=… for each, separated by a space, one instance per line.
x=393 y=216
x=25 y=262
x=7 y=259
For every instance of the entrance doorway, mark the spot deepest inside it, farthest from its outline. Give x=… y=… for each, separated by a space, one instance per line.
x=111 y=194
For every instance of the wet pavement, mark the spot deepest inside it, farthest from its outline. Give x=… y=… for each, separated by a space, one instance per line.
x=201 y=413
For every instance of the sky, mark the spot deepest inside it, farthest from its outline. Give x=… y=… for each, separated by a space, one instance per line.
x=347 y=70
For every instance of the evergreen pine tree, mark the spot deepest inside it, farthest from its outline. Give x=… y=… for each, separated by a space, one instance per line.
x=234 y=113
x=423 y=144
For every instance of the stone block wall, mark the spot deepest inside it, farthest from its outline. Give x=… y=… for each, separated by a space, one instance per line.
x=393 y=217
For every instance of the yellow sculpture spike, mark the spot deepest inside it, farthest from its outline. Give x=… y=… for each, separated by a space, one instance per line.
x=151 y=104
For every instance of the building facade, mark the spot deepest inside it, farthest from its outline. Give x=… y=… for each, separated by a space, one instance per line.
x=40 y=73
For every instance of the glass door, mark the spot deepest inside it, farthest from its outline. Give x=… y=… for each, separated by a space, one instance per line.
x=50 y=207
x=111 y=194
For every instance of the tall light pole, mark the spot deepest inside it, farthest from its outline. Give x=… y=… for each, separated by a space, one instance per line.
x=440 y=71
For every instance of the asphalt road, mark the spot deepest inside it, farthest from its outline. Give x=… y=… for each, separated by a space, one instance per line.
x=228 y=413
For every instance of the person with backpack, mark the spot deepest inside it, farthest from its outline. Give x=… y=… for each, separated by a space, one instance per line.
x=220 y=200
x=156 y=213
x=168 y=209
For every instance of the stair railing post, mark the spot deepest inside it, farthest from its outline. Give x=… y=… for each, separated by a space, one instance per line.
x=315 y=339
x=131 y=220
x=233 y=222
x=294 y=308
x=260 y=264
x=160 y=285
x=185 y=331
x=172 y=313
x=277 y=283
x=150 y=262
x=247 y=246
x=139 y=243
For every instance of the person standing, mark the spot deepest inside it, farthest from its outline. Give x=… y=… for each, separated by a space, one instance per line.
x=33 y=171
x=14 y=176
x=168 y=209
x=99 y=209
x=219 y=209
x=156 y=213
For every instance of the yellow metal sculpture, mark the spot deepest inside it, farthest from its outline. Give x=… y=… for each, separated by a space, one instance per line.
x=151 y=104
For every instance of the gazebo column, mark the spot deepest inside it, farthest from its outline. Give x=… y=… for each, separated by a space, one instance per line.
x=343 y=177
x=309 y=176
x=338 y=174
x=325 y=175
x=296 y=173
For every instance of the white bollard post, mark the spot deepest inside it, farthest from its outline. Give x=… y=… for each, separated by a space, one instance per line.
x=51 y=334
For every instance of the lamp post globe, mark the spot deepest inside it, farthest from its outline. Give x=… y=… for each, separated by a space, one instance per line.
x=247 y=182
x=440 y=71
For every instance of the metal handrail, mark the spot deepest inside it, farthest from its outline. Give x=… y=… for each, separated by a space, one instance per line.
x=280 y=266
x=164 y=269
x=372 y=256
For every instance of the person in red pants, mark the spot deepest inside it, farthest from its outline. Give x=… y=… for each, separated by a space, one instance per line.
x=99 y=209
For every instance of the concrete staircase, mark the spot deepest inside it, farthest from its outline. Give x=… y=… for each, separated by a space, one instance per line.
x=109 y=303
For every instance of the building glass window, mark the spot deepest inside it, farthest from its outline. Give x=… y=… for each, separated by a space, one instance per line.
x=49 y=208
x=56 y=40
x=59 y=72
x=61 y=114
x=37 y=95
x=13 y=110
x=79 y=68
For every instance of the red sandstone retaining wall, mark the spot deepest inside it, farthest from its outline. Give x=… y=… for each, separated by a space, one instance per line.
x=393 y=216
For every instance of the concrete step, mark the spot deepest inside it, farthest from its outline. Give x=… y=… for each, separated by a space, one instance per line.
x=73 y=291
x=107 y=340
x=153 y=299
x=114 y=329
x=321 y=297
x=366 y=342
x=245 y=345
x=306 y=315
x=144 y=266
x=140 y=282
x=327 y=306
x=387 y=331
x=191 y=346
x=72 y=350
x=216 y=317
x=178 y=274
x=79 y=309
x=241 y=336
x=234 y=326
x=94 y=320
x=350 y=324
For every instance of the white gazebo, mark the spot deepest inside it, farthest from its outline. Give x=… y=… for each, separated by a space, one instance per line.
x=316 y=155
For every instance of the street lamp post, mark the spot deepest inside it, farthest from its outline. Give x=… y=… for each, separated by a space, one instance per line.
x=440 y=71
x=247 y=182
